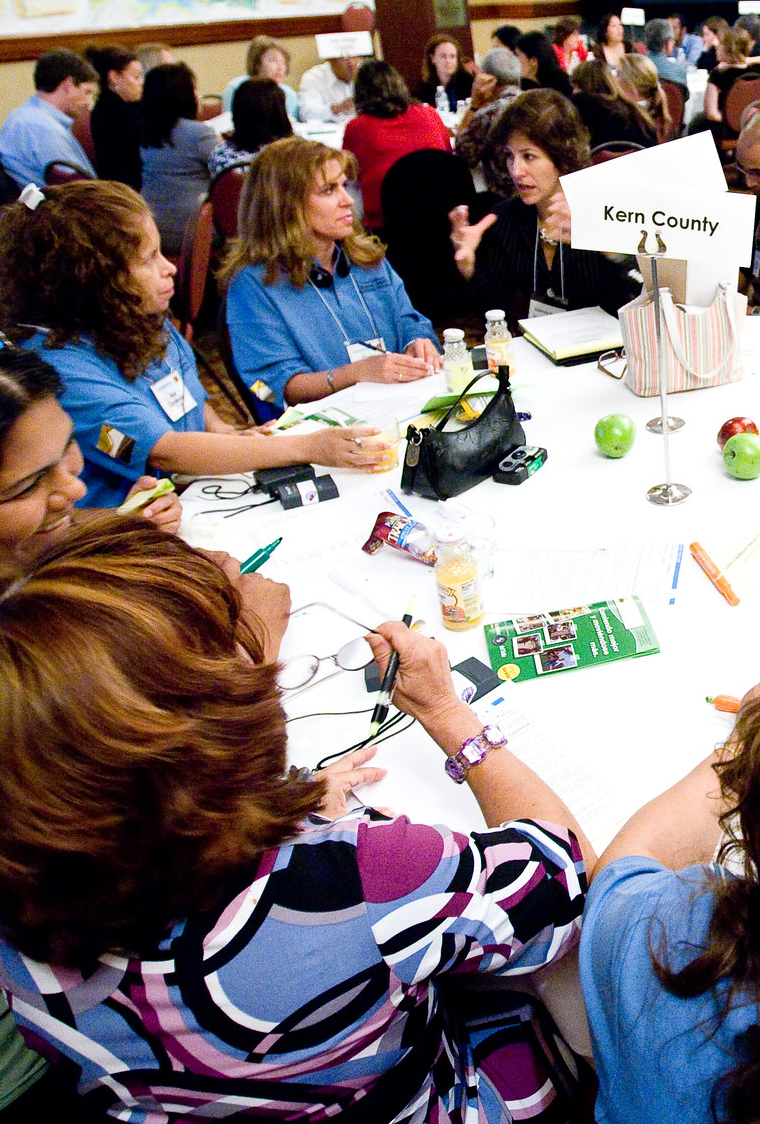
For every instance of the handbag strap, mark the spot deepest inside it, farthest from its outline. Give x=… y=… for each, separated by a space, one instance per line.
x=447 y=416
x=675 y=339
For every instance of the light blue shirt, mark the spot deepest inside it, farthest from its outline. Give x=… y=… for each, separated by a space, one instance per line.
x=278 y=331
x=657 y=1056
x=97 y=395
x=690 y=49
x=291 y=97
x=35 y=135
x=670 y=70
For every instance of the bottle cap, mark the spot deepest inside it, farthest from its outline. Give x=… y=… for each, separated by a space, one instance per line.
x=495 y=314
x=448 y=534
x=453 y=335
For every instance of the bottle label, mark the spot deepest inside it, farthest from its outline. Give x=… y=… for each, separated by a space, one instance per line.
x=461 y=602
x=498 y=354
x=457 y=375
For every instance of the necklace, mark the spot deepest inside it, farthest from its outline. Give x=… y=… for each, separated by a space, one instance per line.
x=547 y=238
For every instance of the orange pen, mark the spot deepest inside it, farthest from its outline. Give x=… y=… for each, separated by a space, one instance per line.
x=707 y=565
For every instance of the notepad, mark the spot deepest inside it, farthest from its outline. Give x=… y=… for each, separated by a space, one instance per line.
x=573 y=337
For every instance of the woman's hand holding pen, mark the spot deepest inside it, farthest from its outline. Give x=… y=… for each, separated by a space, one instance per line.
x=424 y=688
x=391 y=366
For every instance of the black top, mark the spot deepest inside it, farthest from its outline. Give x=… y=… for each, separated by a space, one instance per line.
x=708 y=60
x=724 y=78
x=504 y=269
x=458 y=88
x=612 y=121
x=116 y=133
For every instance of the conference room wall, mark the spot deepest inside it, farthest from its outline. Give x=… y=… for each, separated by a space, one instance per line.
x=216 y=63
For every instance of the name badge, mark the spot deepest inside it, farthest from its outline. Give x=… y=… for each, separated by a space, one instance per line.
x=357 y=351
x=540 y=306
x=173 y=396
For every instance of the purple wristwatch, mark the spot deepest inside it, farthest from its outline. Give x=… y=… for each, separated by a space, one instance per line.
x=473 y=751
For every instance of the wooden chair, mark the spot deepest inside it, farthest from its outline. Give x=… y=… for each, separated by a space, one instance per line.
x=60 y=172
x=224 y=197
x=612 y=149
x=676 y=99
x=209 y=105
x=82 y=131
x=193 y=268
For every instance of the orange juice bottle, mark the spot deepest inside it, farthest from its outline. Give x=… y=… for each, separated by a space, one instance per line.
x=458 y=579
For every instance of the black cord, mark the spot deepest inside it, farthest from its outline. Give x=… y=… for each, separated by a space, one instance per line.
x=390 y=725
x=328 y=714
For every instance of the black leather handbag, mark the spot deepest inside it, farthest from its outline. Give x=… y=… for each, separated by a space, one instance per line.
x=439 y=465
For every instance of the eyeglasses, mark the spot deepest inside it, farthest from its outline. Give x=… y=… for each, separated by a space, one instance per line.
x=351 y=656
x=606 y=360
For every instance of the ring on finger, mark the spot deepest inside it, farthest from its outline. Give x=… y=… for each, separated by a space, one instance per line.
x=358 y=441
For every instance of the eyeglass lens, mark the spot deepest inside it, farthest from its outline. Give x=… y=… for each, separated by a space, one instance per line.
x=353 y=656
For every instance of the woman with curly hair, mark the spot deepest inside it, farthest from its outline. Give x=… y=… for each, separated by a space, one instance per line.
x=181 y=918
x=670 y=952
x=266 y=58
x=312 y=304
x=519 y=258
x=611 y=46
x=83 y=283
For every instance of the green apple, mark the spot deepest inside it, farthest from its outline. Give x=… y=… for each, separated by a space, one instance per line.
x=615 y=434
x=741 y=455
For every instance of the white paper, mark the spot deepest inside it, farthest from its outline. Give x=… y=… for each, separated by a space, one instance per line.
x=344 y=44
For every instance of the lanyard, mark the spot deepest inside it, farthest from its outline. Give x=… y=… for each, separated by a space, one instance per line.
x=336 y=318
x=535 y=264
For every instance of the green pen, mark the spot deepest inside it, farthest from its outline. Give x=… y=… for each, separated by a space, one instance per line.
x=259 y=557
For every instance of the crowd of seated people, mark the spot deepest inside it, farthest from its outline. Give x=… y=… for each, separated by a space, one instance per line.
x=100 y=396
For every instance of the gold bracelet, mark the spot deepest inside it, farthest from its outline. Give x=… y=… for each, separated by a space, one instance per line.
x=330 y=383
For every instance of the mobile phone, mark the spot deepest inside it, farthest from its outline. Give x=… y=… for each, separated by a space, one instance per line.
x=270 y=480
x=521 y=463
x=145 y=496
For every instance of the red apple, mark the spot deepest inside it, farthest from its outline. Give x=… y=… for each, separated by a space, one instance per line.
x=735 y=425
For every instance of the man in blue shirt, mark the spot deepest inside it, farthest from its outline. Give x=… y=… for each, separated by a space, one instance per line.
x=660 y=41
x=38 y=133
x=688 y=47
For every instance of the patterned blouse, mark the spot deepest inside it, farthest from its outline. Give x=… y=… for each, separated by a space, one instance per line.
x=308 y=995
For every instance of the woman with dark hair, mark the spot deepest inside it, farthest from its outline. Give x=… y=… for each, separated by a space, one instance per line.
x=506 y=36
x=712 y=29
x=258 y=118
x=670 y=955
x=610 y=44
x=441 y=67
x=312 y=304
x=176 y=150
x=519 y=258
x=206 y=940
x=608 y=113
x=568 y=45
x=388 y=125
x=116 y=120
x=83 y=283
x=539 y=64
x=266 y=58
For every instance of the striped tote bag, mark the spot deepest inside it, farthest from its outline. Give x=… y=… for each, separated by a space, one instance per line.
x=702 y=345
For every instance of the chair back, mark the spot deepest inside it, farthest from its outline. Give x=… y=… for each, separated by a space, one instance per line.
x=82 y=131
x=209 y=105
x=261 y=412
x=60 y=171
x=193 y=267
x=9 y=189
x=357 y=17
x=743 y=90
x=676 y=99
x=612 y=149
x=224 y=196
x=416 y=195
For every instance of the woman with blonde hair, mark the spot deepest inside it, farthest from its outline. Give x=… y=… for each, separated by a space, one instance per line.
x=83 y=283
x=312 y=304
x=732 y=53
x=181 y=918
x=608 y=113
x=637 y=75
x=266 y=58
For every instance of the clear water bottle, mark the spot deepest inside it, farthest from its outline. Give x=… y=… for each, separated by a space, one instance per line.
x=457 y=577
x=457 y=361
x=441 y=100
x=498 y=341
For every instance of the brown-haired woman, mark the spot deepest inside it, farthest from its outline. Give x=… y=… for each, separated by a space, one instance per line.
x=568 y=45
x=116 y=119
x=85 y=267
x=441 y=67
x=638 y=78
x=312 y=305
x=732 y=53
x=210 y=942
x=607 y=112
x=519 y=258
x=670 y=954
x=266 y=58
x=388 y=125
x=610 y=44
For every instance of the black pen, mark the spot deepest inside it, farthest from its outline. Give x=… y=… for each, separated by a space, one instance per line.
x=388 y=685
